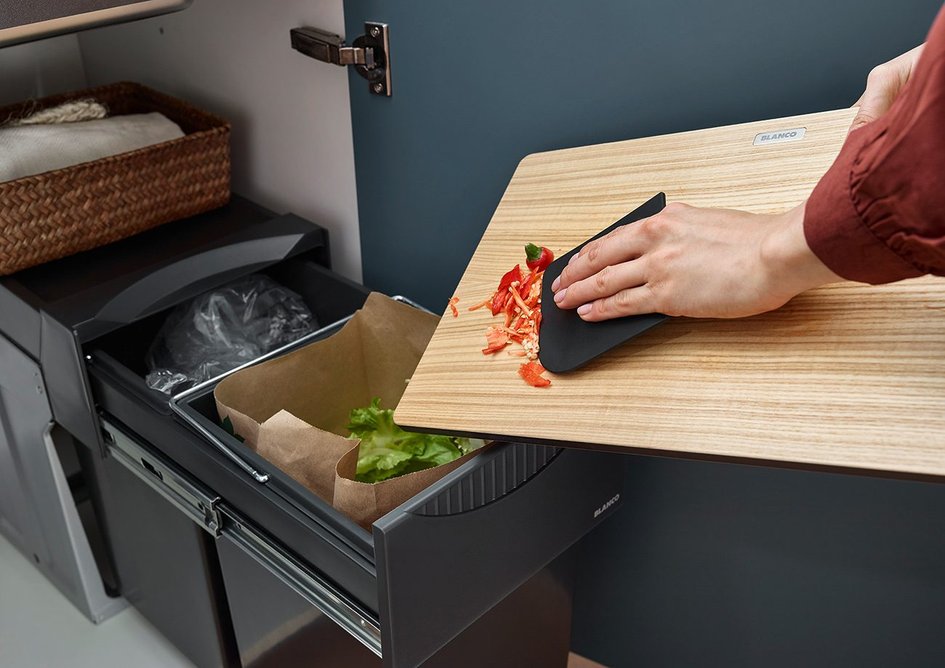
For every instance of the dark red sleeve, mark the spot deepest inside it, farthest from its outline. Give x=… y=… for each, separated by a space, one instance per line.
x=878 y=214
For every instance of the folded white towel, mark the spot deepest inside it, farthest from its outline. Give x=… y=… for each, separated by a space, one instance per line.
x=67 y=112
x=34 y=149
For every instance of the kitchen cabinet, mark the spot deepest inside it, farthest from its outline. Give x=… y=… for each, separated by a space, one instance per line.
x=706 y=563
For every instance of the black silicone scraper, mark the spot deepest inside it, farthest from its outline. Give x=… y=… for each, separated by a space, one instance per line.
x=567 y=342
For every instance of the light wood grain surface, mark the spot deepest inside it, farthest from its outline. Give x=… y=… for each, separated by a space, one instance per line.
x=848 y=375
x=578 y=661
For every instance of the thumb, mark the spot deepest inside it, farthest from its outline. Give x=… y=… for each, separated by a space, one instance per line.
x=881 y=90
x=864 y=116
x=872 y=104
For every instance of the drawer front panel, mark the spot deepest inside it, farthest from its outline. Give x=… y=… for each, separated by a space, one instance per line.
x=451 y=553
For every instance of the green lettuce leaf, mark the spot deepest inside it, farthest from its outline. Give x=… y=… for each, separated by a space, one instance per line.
x=388 y=451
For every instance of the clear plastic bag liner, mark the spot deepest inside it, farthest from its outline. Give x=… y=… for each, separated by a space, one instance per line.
x=223 y=329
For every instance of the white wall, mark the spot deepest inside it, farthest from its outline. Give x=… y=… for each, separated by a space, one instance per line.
x=291 y=139
x=37 y=69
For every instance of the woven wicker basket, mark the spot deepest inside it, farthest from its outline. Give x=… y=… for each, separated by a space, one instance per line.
x=65 y=211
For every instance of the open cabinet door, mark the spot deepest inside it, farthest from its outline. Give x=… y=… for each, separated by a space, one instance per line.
x=477 y=86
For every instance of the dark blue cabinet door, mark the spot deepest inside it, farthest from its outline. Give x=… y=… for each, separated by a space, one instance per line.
x=478 y=85
x=707 y=564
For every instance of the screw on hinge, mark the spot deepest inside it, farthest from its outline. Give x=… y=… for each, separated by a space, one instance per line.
x=378 y=88
x=375 y=31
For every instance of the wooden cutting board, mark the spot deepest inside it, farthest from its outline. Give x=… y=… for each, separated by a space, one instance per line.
x=848 y=375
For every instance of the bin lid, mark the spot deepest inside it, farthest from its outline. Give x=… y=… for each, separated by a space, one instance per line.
x=98 y=290
x=848 y=375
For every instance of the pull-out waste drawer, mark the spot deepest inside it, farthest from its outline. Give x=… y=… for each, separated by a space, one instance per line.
x=431 y=567
x=427 y=573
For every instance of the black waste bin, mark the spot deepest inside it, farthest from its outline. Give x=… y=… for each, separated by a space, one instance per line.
x=474 y=570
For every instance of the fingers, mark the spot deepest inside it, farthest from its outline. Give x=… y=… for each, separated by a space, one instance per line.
x=633 y=301
x=608 y=281
x=883 y=86
x=862 y=117
x=625 y=243
x=881 y=89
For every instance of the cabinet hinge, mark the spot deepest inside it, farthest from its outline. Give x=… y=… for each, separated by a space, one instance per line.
x=369 y=53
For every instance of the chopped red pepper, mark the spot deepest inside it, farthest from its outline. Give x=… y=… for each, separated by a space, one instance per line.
x=518 y=298
x=538 y=257
x=452 y=304
x=496 y=340
x=518 y=301
x=531 y=373
x=525 y=288
x=485 y=302
x=502 y=294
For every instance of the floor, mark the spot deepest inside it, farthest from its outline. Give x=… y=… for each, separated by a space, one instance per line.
x=39 y=628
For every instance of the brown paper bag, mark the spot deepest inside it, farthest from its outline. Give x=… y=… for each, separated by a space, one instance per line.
x=293 y=410
x=366 y=502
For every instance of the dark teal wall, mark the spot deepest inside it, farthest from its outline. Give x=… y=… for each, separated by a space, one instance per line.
x=706 y=564
x=478 y=85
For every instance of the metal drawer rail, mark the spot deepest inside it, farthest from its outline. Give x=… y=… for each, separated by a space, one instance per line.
x=203 y=508
x=198 y=504
x=306 y=583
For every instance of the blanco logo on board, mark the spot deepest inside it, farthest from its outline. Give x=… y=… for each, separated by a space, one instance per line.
x=792 y=134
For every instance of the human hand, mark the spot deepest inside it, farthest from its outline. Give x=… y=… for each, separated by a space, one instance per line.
x=883 y=86
x=688 y=261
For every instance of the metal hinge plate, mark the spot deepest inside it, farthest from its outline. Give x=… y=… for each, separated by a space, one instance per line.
x=369 y=53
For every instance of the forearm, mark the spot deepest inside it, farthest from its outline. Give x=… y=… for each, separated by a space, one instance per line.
x=788 y=258
x=878 y=214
